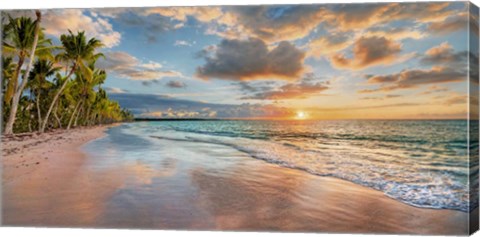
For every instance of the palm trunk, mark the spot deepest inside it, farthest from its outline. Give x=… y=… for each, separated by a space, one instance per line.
x=12 y=84
x=39 y=113
x=78 y=114
x=55 y=98
x=19 y=90
x=93 y=117
x=73 y=115
x=59 y=121
x=87 y=116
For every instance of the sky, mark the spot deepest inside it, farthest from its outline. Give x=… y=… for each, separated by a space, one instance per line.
x=331 y=61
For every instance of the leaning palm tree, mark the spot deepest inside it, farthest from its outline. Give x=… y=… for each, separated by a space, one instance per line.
x=42 y=69
x=78 y=52
x=19 y=90
x=17 y=43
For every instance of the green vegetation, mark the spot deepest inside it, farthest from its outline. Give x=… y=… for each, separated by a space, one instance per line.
x=46 y=86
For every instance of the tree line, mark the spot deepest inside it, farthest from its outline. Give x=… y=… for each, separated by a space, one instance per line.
x=47 y=86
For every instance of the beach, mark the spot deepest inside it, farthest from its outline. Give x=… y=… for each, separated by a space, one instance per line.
x=100 y=177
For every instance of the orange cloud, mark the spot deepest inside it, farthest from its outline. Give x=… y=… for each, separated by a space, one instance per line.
x=367 y=52
x=451 y=24
x=58 y=21
x=356 y=16
x=398 y=33
x=456 y=99
x=434 y=89
x=291 y=91
x=444 y=54
x=329 y=44
x=413 y=78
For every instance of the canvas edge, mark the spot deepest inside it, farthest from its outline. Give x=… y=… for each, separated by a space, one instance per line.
x=1 y=117
x=473 y=115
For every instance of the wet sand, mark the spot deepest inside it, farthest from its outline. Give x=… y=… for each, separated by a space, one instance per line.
x=184 y=185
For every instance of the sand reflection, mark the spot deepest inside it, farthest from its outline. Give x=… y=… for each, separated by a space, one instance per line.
x=274 y=198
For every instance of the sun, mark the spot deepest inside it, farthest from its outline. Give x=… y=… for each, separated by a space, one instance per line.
x=301 y=115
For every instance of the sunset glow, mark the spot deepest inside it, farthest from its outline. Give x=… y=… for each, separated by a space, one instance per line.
x=301 y=115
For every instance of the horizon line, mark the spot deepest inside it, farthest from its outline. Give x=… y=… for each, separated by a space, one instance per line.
x=293 y=119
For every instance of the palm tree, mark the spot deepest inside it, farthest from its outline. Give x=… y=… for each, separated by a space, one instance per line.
x=19 y=90
x=78 y=52
x=42 y=69
x=86 y=92
x=18 y=40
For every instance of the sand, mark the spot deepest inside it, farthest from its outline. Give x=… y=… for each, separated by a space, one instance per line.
x=49 y=181
x=37 y=154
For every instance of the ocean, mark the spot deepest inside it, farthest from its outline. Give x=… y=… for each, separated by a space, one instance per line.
x=420 y=163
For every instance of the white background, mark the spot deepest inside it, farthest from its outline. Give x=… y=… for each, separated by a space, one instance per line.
x=52 y=232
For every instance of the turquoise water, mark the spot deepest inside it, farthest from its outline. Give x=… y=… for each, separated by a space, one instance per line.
x=421 y=163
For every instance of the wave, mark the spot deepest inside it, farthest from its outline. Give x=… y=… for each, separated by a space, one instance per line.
x=420 y=184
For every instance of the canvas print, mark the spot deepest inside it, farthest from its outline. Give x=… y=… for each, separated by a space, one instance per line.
x=331 y=118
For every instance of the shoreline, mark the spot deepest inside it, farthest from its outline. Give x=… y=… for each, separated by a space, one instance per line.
x=37 y=173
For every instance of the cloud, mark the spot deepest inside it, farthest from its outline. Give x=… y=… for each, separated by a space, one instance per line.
x=301 y=90
x=127 y=66
x=456 y=99
x=362 y=16
x=183 y=43
x=328 y=44
x=156 y=20
x=389 y=96
x=367 y=52
x=355 y=16
x=150 y=25
x=255 y=86
x=451 y=24
x=329 y=109
x=176 y=84
x=57 y=22
x=252 y=60
x=181 y=113
x=151 y=65
x=114 y=90
x=279 y=23
x=336 y=41
x=434 y=89
x=202 y=14
x=395 y=33
x=444 y=54
x=269 y=23
x=415 y=77
x=160 y=105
